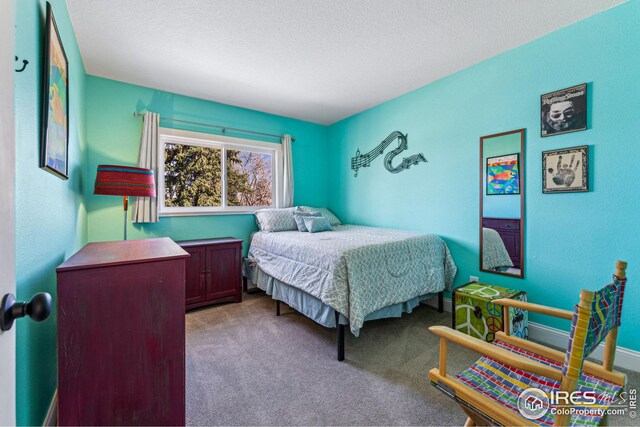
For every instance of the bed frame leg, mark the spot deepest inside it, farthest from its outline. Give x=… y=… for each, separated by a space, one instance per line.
x=440 y=301
x=340 y=330
x=244 y=284
x=277 y=307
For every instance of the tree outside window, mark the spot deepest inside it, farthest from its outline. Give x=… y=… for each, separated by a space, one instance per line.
x=193 y=177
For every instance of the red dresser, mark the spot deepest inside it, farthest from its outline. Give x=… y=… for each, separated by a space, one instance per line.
x=121 y=334
x=214 y=271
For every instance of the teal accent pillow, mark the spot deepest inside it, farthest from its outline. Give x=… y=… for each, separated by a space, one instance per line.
x=333 y=220
x=300 y=216
x=316 y=224
x=269 y=220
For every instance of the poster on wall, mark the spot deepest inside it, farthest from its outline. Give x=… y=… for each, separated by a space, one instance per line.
x=564 y=111
x=54 y=156
x=503 y=176
x=566 y=170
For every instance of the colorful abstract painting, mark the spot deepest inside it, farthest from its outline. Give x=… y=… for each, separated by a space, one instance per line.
x=55 y=133
x=503 y=176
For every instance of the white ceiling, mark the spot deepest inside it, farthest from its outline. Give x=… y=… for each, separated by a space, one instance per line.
x=316 y=60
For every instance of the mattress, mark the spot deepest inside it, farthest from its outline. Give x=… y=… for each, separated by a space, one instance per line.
x=356 y=270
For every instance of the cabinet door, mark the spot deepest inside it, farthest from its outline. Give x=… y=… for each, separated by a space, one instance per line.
x=512 y=244
x=195 y=290
x=223 y=271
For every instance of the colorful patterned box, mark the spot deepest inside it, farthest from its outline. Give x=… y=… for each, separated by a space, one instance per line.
x=475 y=314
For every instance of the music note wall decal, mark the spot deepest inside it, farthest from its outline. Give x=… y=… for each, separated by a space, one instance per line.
x=364 y=160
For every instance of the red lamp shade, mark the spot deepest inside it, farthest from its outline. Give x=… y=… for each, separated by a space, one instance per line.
x=114 y=180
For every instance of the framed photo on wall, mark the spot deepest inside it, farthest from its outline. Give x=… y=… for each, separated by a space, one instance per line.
x=54 y=145
x=566 y=170
x=503 y=175
x=564 y=111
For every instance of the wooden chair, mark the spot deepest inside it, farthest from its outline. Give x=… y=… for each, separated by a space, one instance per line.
x=488 y=391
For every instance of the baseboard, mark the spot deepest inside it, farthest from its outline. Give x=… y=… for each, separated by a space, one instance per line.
x=51 y=420
x=625 y=358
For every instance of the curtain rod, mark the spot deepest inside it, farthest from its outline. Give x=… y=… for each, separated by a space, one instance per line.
x=222 y=128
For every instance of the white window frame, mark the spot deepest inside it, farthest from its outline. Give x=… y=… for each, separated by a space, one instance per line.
x=169 y=136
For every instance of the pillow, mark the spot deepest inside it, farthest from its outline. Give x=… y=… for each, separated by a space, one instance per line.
x=300 y=216
x=269 y=220
x=333 y=220
x=317 y=223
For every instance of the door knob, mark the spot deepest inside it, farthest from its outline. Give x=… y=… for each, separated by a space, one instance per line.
x=38 y=309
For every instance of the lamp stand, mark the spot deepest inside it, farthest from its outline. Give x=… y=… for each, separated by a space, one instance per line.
x=125 y=201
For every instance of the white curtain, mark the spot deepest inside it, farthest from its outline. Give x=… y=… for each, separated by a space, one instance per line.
x=145 y=209
x=286 y=196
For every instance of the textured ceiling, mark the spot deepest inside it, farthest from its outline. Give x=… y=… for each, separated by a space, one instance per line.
x=314 y=60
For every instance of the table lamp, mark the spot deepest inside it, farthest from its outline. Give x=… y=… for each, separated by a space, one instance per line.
x=125 y=181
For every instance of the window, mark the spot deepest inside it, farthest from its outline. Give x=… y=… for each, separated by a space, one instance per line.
x=200 y=174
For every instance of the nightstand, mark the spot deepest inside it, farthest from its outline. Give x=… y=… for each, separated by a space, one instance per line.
x=474 y=314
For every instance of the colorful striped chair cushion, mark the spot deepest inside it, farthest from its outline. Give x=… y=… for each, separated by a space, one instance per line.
x=504 y=384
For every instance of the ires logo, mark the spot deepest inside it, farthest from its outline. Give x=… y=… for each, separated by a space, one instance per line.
x=534 y=403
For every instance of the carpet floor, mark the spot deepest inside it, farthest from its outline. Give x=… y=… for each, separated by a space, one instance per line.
x=245 y=366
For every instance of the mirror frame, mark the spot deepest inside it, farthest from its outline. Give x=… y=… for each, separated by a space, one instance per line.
x=522 y=195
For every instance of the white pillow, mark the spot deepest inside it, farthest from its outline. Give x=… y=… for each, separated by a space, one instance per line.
x=270 y=220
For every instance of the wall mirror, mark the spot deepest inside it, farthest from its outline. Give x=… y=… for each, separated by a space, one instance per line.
x=502 y=203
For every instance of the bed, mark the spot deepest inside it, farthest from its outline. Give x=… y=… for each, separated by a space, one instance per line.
x=351 y=274
x=494 y=253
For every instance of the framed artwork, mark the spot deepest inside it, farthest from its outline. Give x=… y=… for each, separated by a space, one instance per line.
x=564 y=111
x=566 y=170
x=54 y=145
x=503 y=175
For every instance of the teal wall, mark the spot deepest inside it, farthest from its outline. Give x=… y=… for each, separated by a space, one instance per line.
x=113 y=136
x=499 y=206
x=50 y=215
x=571 y=240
